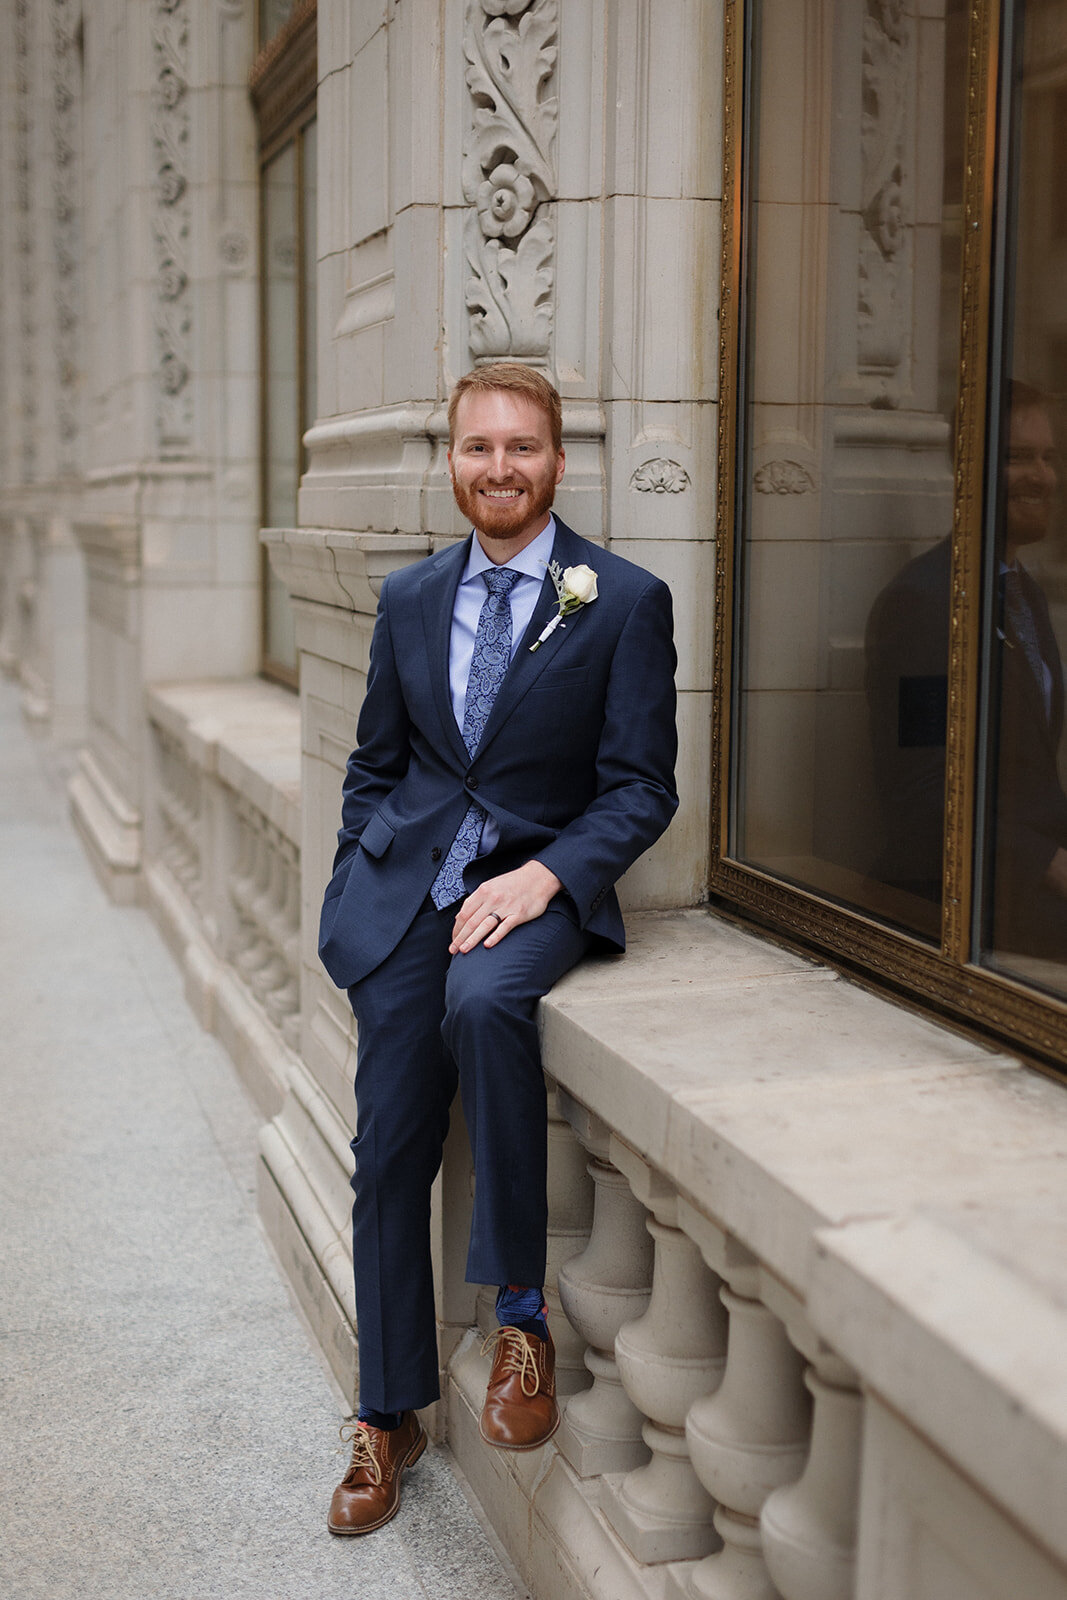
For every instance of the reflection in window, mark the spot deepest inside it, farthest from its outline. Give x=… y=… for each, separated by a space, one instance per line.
x=271 y=17
x=851 y=355
x=1024 y=902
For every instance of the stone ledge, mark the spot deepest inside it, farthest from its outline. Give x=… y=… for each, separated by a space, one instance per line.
x=920 y=1216
x=245 y=731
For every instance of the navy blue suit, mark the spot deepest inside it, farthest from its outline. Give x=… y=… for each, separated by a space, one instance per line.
x=576 y=769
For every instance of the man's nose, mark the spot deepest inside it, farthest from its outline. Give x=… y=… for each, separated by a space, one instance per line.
x=499 y=466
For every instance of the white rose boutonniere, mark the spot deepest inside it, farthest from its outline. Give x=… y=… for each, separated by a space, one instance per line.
x=575 y=587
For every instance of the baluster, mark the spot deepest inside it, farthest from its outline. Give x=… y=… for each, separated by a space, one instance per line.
x=600 y=1290
x=291 y=951
x=666 y=1359
x=242 y=881
x=809 y=1527
x=570 y=1213
x=257 y=950
x=750 y=1436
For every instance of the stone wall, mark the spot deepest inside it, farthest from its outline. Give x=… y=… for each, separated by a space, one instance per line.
x=805 y=1263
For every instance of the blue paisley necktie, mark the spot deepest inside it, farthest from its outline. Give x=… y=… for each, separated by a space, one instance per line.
x=489 y=662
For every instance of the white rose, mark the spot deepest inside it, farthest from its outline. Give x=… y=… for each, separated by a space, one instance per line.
x=581 y=583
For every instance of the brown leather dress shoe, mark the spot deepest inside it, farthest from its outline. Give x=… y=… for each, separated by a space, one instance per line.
x=520 y=1410
x=368 y=1495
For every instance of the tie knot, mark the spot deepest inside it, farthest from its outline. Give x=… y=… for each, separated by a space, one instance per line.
x=500 y=580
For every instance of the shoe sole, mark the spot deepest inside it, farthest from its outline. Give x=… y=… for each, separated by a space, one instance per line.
x=496 y=1444
x=372 y=1527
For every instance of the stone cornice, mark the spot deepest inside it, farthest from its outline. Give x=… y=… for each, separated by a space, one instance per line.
x=339 y=569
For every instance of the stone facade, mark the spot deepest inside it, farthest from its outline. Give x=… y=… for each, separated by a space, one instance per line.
x=805 y=1248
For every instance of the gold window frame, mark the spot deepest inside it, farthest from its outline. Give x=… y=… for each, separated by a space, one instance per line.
x=944 y=979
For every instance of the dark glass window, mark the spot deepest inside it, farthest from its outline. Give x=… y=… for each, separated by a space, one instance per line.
x=891 y=777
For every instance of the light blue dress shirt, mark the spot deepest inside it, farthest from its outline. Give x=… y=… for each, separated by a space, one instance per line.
x=532 y=564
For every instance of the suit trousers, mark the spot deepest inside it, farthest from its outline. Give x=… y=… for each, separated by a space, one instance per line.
x=427 y=1020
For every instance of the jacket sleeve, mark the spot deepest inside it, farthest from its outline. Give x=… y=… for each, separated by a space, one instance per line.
x=636 y=796
x=380 y=759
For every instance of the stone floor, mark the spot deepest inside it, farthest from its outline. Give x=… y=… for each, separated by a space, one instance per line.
x=166 y=1430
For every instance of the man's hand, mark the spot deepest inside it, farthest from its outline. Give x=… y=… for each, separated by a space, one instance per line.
x=503 y=903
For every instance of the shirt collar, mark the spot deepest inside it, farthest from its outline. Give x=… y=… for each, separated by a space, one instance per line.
x=531 y=562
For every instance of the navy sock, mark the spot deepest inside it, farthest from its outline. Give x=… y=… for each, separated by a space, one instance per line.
x=522 y=1308
x=386 y=1420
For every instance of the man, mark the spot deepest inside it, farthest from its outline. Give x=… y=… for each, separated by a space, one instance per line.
x=515 y=755
x=907 y=679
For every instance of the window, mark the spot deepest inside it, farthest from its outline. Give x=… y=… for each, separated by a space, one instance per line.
x=891 y=774
x=283 y=89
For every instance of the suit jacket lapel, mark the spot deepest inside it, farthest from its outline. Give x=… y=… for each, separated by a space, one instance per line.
x=438 y=595
x=527 y=665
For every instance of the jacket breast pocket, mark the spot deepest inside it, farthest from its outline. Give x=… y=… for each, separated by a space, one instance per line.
x=377 y=836
x=561 y=680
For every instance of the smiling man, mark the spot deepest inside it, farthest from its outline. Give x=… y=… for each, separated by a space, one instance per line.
x=515 y=756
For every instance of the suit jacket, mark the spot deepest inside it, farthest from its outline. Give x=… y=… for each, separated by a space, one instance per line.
x=575 y=766
x=907 y=679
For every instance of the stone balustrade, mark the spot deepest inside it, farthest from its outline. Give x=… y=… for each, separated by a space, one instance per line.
x=747 y=1429
x=222 y=863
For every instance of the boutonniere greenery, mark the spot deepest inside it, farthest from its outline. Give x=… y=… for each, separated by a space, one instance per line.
x=575 y=588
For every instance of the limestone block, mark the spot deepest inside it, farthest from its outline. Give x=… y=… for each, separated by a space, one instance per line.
x=664 y=95
x=688 y=568
x=927 y=1534
x=957 y=1315
x=415 y=92
x=410 y=340
x=674 y=871
x=659 y=276
x=662 y=470
x=334 y=35
x=366 y=131
x=577 y=300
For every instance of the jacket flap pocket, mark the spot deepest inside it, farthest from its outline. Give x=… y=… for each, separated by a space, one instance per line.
x=377 y=836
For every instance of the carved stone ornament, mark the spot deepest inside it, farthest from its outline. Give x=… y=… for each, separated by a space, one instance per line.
x=25 y=270
x=66 y=243
x=171 y=126
x=661 y=476
x=783 y=477
x=234 y=249
x=883 y=292
x=509 y=175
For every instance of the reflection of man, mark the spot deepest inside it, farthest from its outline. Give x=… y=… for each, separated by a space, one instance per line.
x=499 y=788
x=907 y=662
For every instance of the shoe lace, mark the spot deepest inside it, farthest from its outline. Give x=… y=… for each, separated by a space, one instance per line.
x=519 y=1356
x=358 y=1436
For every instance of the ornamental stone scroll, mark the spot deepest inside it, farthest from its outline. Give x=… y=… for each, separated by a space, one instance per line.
x=509 y=176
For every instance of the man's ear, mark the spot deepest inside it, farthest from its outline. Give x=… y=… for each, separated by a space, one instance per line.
x=448 y=458
x=561 y=462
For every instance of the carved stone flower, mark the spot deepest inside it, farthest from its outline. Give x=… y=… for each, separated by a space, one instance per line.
x=885 y=218
x=504 y=8
x=170 y=183
x=505 y=202
x=172 y=280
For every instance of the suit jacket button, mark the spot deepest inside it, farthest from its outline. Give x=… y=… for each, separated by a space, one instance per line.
x=472 y=783
x=435 y=853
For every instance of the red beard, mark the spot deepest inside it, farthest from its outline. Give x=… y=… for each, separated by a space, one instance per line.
x=504 y=519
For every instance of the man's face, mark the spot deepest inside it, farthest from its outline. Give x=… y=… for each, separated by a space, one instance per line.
x=1032 y=476
x=504 y=469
